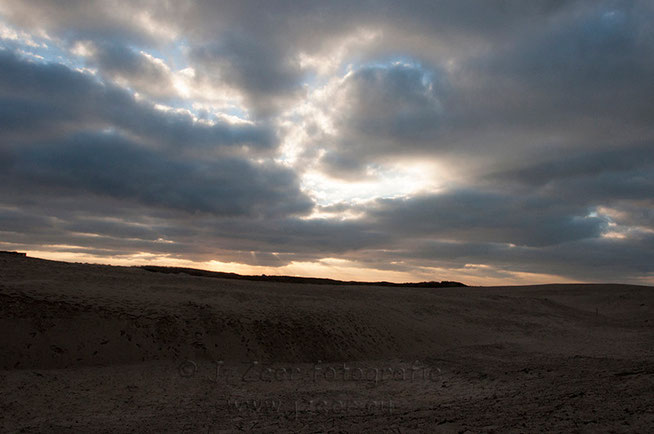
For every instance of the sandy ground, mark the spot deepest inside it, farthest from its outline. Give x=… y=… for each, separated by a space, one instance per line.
x=89 y=348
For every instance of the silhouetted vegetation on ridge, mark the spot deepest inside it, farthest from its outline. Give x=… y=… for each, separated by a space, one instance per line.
x=294 y=279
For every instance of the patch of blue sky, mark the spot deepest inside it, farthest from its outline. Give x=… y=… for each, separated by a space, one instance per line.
x=37 y=48
x=393 y=62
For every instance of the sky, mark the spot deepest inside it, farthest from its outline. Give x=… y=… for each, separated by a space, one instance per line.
x=494 y=142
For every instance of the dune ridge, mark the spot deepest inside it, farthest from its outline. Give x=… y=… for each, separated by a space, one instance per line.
x=95 y=314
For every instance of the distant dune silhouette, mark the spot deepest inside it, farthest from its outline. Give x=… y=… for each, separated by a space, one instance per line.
x=295 y=279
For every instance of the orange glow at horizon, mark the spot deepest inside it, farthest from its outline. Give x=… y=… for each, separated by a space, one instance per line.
x=332 y=268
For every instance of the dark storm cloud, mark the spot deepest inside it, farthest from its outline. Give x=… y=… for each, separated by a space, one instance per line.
x=617 y=182
x=46 y=100
x=580 y=82
x=398 y=101
x=490 y=217
x=14 y=220
x=51 y=147
x=593 y=67
x=581 y=164
x=109 y=165
x=143 y=73
x=251 y=67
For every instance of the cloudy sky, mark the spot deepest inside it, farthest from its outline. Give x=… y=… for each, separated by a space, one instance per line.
x=486 y=142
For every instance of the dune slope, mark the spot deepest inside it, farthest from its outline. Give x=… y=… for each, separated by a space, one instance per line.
x=99 y=329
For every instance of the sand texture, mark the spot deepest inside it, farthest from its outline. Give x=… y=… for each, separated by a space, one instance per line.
x=91 y=348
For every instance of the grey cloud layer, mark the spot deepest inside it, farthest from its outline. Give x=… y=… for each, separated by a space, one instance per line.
x=52 y=146
x=109 y=165
x=51 y=99
x=542 y=109
x=582 y=82
x=143 y=73
x=254 y=46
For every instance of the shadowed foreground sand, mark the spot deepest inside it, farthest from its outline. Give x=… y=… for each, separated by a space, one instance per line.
x=96 y=348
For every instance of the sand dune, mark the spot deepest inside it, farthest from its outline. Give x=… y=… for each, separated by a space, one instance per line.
x=100 y=348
